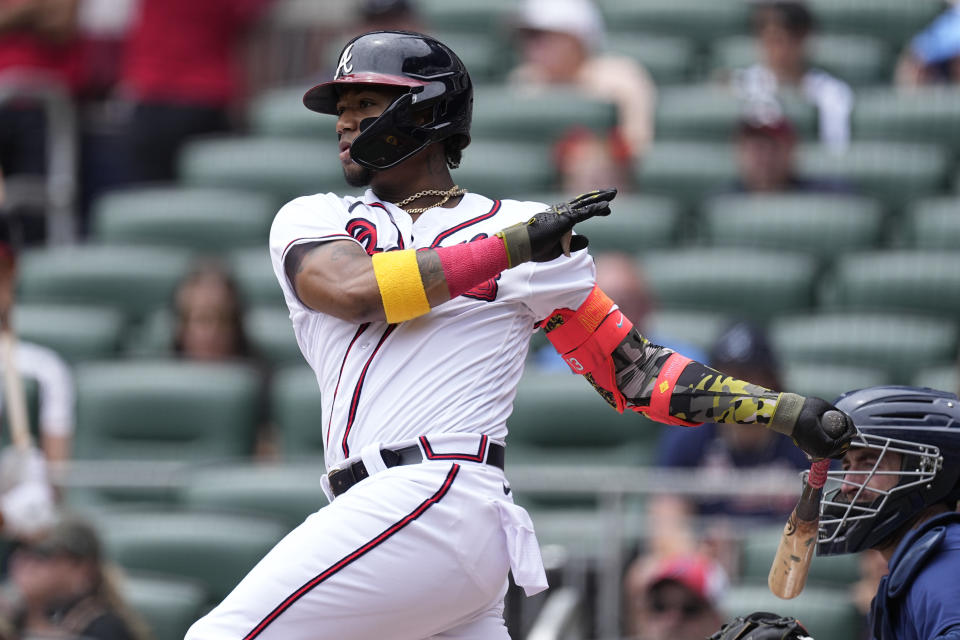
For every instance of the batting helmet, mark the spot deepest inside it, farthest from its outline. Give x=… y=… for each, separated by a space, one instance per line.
x=920 y=425
x=437 y=105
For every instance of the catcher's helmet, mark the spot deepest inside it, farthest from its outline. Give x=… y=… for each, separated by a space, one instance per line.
x=923 y=427
x=437 y=83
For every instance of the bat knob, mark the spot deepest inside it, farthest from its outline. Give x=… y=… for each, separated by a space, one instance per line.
x=834 y=423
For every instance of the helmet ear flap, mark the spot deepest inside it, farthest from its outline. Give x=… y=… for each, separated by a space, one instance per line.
x=389 y=139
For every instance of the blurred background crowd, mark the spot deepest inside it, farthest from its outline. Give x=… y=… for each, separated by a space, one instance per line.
x=789 y=212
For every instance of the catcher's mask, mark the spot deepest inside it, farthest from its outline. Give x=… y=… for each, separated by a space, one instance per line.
x=908 y=452
x=437 y=105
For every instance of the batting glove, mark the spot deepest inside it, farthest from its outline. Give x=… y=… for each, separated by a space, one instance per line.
x=802 y=419
x=541 y=238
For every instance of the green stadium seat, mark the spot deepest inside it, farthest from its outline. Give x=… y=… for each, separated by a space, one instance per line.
x=859 y=60
x=702 y=21
x=944 y=377
x=896 y=173
x=507 y=113
x=896 y=21
x=486 y=17
x=288 y=492
x=499 y=169
x=253 y=272
x=830 y=380
x=168 y=605
x=132 y=280
x=821 y=224
x=488 y=57
x=930 y=114
x=214 y=549
x=283 y=168
x=906 y=281
x=826 y=611
x=900 y=345
x=581 y=531
x=271 y=334
x=754 y=285
x=279 y=113
x=153 y=338
x=760 y=546
x=668 y=59
x=934 y=224
x=193 y=218
x=683 y=329
x=165 y=410
x=297 y=411
x=76 y=333
x=710 y=113
x=687 y=171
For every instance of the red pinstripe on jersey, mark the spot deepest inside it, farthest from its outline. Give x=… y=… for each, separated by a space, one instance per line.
x=355 y=401
x=463 y=225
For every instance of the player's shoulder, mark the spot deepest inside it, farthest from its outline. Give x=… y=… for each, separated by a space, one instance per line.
x=314 y=204
x=519 y=210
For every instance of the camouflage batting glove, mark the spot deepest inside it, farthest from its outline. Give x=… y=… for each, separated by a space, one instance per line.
x=540 y=238
x=801 y=419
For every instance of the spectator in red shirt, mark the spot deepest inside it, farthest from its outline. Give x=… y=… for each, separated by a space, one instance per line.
x=182 y=72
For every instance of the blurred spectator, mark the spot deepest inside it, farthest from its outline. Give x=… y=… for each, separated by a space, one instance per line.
x=65 y=587
x=27 y=501
x=873 y=566
x=560 y=44
x=182 y=73
x=53 y=376
x=783 y=29
x=388 y=15
x=675 y=598
x=933 y=56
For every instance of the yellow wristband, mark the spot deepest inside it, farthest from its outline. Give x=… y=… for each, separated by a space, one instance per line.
x=401 y=286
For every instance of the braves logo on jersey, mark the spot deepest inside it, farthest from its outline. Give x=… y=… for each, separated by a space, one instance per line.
x=364 y=232
x=485 y=291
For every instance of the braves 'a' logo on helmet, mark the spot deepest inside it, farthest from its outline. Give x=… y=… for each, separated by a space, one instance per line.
x=344 y=67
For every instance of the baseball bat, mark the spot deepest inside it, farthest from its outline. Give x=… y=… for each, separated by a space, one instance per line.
x=13 y=394
x=788 y=573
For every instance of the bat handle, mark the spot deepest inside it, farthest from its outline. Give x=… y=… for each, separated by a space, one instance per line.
x=818 y=473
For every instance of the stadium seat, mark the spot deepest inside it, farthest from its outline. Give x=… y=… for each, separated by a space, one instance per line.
x=165 y=410
x=487 y=17
x=214 y=549
x=893 y=20
x=760 y=547
x=540 y=117
x=754 y=285
x=896 y=173
x=906 y=281
x=297 y=411
x=945 y=377
x=283 y=168
x=168 y=605
x=271 y=334
x=287 y=492
x=826 y=611
x=76 y=333
x=197 y=219
x=280 y=113
x=830 y=380
x=132 y=280
x=900 y=345
x=687 y=171
x=702 y=21
x=934 y=224
x=710 y=113
x=488 y=57
x=681 y=330
x=668 y=59
x=821 y=224
x=929 y=114
x=859 y=60
x=255 y=278
x=499 y=169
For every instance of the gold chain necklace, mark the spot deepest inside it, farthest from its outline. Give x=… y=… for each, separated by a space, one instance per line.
x=452 y=192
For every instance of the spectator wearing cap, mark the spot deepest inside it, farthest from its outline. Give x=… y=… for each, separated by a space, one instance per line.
x=933 y=55
x=65 y=588
x=674 y=598
x=783 y=29
x=561 y=43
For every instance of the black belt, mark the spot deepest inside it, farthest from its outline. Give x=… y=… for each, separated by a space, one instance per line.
x=342 y=479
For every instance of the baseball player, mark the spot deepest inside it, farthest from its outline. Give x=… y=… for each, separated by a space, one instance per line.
x=414 y=305
x=898 y=493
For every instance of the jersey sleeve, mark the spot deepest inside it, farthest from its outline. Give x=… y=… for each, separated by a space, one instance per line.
x=319 y=218
x=563 y=283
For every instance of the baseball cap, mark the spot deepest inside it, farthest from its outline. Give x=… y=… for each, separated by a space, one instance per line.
x=579 y=18
x=70 y=536
x=743 y=343
x=704 y=577
x=941 y=40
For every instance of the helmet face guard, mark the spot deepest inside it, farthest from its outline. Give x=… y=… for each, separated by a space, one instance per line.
x=437 y=104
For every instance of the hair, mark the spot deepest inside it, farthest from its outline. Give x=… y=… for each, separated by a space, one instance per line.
x=453 y=148
x=207 y=268
x=792 y=15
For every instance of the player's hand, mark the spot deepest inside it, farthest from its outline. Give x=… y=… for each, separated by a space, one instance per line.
x=810 y=435
x=546 y=236
x=762 y=626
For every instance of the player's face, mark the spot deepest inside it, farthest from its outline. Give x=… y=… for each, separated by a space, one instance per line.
x=353 y=106
x=858 y=464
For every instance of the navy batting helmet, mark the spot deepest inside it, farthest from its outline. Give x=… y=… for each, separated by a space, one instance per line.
x=438 y=104
x=922 y=427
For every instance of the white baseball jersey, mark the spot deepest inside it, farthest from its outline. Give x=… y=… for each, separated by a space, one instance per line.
x=453 y=370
